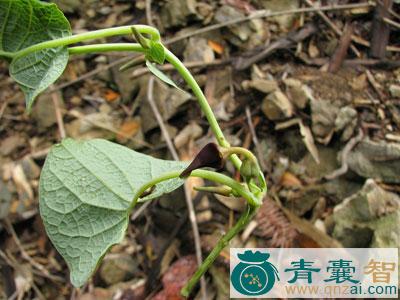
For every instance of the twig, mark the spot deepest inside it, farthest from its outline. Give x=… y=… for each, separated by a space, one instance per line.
x=243 y=62
x=374 y=84
x=391 y=22
x=332 y=26
x=27 y=257
x=148 y=13
x=139 y=211
x=90 y=74
x=10 y=261
x=374 y=63
x=344 y=155
x=7 y=101
x=380 y=29
x=394 y=14
x=160 y=120
x=60 y=123
x=341 y=51
x=260 y=155
x=188 y=198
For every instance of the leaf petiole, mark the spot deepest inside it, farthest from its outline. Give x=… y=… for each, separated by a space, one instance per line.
x=91 y=35
x=205 y=174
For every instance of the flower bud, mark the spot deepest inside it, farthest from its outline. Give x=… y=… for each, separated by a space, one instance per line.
x=209 y=156
x=249 y=169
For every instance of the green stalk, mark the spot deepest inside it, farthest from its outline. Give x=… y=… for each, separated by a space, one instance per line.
x=128 y=47
x=222 y=243
x=252 y=207
x=187 y=76
x=92 y=35
x=241 y=151
x=205 y=174
x=6 y=54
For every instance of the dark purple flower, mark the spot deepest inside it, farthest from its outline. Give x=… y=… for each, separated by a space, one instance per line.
x=209 y=156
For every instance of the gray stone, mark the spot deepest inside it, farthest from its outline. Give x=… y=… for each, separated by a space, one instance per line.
x=31 y=169
x=177 y=12
x=43 y=112
x=285 y=21
x=5 y=200
x=368 y=218
x=10 y=144
x=346 y=121
x=296 y=92
x=263 y=85
x=126 y=86
x=197 y=50
x=394 y=90
x=117 y=268
x=303 y=200
x=328 y=162
x=168 y=100
x=323 y=116
x=379 y=160
x=276 y=106
x=245 y=35
x=226 y=13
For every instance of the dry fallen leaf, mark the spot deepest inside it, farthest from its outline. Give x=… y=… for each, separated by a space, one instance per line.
x=290 y=180
x=128 y=129
x=309 y=141
x=21 y=182
x=233 y=203
x=217 y=47
x=176 y=277
x=192 y=131
x=111 y=96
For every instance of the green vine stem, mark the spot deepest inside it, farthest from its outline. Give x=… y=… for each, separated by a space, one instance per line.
x=205 y=174
x=183 y=71
x=187 y=76
x=92 y=35
x=222 y=243
x=127 y=47
x=226 y=152
x=252 y=207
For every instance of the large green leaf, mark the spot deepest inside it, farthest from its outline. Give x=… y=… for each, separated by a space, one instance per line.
x=85 y=191
x=24 y=23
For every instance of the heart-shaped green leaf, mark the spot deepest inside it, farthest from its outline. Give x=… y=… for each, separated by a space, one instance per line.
x=24 y=23
x=85 y=191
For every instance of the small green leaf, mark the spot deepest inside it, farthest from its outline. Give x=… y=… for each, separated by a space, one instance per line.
x=156 y=72
x=37 y=71
x=24 y=23
x=84 y=195
x=157 y=52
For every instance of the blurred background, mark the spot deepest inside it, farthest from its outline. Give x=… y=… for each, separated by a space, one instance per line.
x=314 y=93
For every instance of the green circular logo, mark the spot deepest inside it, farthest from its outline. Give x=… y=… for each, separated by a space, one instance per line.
x=254 y=275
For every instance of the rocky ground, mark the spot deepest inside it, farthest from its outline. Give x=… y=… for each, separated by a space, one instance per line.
x=315 y=94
